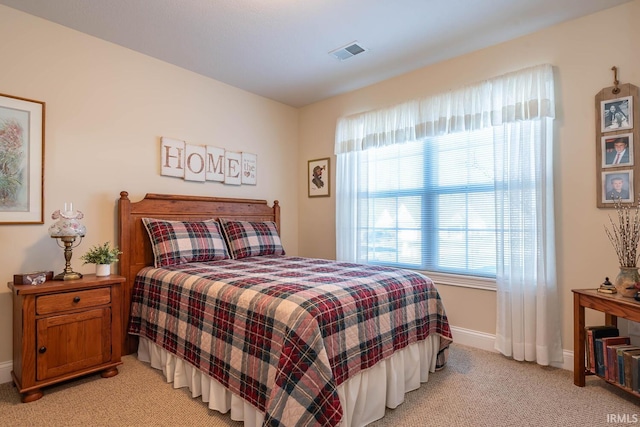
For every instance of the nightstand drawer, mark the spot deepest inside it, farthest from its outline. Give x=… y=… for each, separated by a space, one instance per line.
x=47 y=304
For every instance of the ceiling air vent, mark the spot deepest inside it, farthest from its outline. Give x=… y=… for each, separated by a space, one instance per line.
x=348 y=51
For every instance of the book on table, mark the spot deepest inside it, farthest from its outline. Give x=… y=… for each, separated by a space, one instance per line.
x=593 y=333
x=609 y=355
x=627 y=356
x=614 y=372
x=621 y=350
x=635 y=373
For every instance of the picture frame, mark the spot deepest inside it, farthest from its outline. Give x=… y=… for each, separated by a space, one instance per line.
x=621 y=162
x=617 y=186
x=22 y=124
x=617 y=150
x=318 y=177
x=616 y=114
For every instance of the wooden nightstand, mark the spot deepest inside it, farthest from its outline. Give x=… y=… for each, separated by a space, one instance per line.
x=65 y=329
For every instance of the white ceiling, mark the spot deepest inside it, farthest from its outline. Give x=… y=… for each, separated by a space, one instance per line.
x=279 y=48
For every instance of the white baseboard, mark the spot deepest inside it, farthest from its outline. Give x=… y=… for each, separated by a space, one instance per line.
x=5 y=372
x=462 y=336
x=475 y=339
x=487 y=342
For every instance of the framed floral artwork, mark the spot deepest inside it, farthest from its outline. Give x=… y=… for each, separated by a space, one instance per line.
x=21 y=160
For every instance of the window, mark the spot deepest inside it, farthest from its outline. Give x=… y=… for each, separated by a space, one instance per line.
x=430 y=204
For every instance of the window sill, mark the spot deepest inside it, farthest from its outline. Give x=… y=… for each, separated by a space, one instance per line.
x=463 y=281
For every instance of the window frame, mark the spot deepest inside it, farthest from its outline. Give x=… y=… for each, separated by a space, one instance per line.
x=429 y=193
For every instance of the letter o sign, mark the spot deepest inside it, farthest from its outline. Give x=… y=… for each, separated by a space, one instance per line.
x=199 y=162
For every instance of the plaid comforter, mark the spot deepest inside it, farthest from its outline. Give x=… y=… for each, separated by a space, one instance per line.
x=284 y=332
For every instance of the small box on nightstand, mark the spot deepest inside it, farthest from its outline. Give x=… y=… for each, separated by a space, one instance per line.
x=34 y=278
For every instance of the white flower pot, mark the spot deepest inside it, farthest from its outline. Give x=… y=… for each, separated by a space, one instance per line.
x=103 y=269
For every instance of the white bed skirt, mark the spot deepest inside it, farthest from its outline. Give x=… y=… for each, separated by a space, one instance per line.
x=363 y=397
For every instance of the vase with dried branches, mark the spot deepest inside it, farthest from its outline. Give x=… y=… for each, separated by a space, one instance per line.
x=625 y=236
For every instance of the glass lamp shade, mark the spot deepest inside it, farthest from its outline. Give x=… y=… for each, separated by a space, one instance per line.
x=67 y=224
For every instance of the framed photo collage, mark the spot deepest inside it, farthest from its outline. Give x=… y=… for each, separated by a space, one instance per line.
x=617 y=146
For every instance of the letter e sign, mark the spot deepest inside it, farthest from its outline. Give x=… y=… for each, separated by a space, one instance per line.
x=232 y=168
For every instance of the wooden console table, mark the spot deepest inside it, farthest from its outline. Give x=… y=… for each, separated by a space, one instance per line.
x=613 y=306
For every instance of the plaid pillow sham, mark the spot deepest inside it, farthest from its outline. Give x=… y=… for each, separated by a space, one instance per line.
x=180 y=242
x=248 y=238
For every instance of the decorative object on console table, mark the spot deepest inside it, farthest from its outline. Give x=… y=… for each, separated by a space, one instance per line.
x=625 y=236
x=87 y=312
x=607 y=287
x=627 y=281
x=102 y=256
x=67 y=228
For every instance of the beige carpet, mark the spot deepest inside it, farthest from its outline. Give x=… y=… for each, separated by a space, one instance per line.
x=477 y=388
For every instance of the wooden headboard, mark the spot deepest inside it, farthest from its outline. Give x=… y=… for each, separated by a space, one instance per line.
x=134 y=241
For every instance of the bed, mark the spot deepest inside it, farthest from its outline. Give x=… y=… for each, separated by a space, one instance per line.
x=271 y=338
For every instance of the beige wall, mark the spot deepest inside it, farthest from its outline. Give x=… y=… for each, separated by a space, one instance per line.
x=106 y=108
x=582 y=52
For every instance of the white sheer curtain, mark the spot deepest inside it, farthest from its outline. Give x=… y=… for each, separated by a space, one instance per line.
x=528 y=312
x=520 y=108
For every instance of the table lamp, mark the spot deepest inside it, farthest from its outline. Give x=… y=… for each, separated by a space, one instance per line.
x=67 y=229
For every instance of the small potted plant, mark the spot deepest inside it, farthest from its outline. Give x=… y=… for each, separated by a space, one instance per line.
x=102 y=256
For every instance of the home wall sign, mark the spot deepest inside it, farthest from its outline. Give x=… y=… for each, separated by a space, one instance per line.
x=206 y=163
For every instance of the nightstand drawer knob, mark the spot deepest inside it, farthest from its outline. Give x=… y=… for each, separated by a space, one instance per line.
x=76 y=299
x=42 y=350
